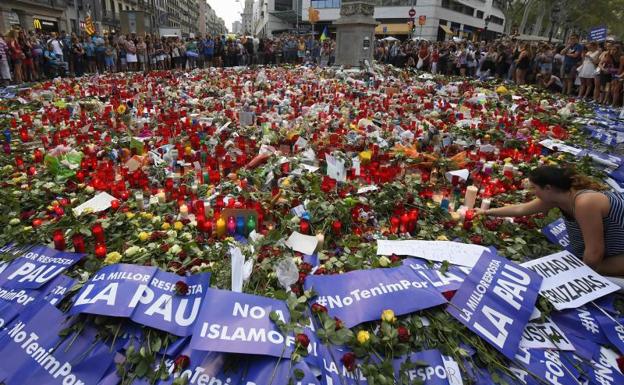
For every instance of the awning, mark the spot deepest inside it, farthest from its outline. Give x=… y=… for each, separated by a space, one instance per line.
x=392 y=29
x=446 y=29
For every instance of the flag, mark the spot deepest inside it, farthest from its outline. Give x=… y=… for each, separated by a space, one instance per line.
x=324 y=35
x=89 y=26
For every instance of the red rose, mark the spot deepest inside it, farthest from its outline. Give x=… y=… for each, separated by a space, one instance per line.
x=302 y=277
x=348 y=360
x=620 y=362
x=476 y=239
x=303 y=340
x=182 y=362
x=449 y=294
x=305 y=267
x=318 y=308
x=164 y=247
x=339 y=323
x=395 y=258
x=404 y=334
x=181 y=288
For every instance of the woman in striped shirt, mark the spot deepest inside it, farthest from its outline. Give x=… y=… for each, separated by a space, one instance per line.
x=594 y=217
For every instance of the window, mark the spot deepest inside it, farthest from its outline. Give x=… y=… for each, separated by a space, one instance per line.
x=496 y=20
x=284 y=5
x=479 y=14
x=320 y=4
x=458 y=7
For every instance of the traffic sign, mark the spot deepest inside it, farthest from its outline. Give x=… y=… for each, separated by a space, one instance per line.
x=412 y=12
x=422 y=19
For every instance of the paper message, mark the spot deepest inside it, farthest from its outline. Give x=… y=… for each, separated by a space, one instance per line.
x=457 y=253
x=568 y=282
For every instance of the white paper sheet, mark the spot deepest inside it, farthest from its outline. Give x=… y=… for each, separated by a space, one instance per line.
x=463 y=254
x=569 y=283
x=98 y=203
x=302 y=243
x=462 y=174
x=545 y=335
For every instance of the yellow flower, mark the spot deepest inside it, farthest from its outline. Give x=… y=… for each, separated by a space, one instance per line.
x=442 y=238
x=129 y=215
x=148 y=216
x=363 y=336
x=178 y=225
x=388 y=316
x=384 y=261
x=112 y=257
x=121 y=109
x=143 y=236
x=165 y=226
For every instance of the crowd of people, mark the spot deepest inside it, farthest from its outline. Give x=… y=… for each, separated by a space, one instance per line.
x=27 y=56
x=589 y=70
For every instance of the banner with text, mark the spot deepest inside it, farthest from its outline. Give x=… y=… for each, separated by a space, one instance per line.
x=36 y=267
x=496 y=301
x=568 y=282
x=361 y=296
x=239 y=323
x=148 y=296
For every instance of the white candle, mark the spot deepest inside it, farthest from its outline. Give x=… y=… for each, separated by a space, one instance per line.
x=184 y=211
x=139 y=199
x=471 y=196
x=485 y=203
x=161 y=197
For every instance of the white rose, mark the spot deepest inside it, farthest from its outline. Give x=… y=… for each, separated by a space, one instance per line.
x=175 y=249
x=132 y=251
x=14 y=221
x=186 y=236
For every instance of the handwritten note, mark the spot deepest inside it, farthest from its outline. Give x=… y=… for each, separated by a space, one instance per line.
x=462 y=254
x=302 y=243
x=100 y=202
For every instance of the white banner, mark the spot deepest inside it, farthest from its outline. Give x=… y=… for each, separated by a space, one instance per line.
x=462 y=254
x=568 y=282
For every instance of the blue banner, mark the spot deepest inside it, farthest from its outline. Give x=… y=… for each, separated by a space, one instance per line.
x=582 y=323
x=597 y=33
x=614 y=331
x=115 y=290
x=496 y=301
x=361 y=296
x=557 y=233
x=32 y=349
x=162 y=306
x=270 y=370
x=551 y=365
x=239 y=323
x=340 y=367
x=440 y=370
x=604 y=369
x=450 y=280
x=148 y=296
x=36 y=267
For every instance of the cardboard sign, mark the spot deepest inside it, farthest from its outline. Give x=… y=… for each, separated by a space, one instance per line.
x=568 y=282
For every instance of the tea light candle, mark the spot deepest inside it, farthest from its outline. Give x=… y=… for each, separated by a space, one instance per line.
x=139 y=200
x=485 y=204
x=471 y=196
x=184 y=211
x=162 y=197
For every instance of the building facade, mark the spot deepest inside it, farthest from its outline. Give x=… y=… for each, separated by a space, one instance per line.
x=237 y=27
x=434 y=19
x=248 y=17
x=208 y=22
x=108 y=15
x=278 y=16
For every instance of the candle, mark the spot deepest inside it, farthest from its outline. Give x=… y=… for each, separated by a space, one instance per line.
x=231 y=225
x=79 y=244
x=240 y=225
x=485 y=204
x=221 y=227
x=304 y=227
x=59 y=240
x=251 y=224
x=162 y=197
x=471 y=196
x=139 y=200
x=320 y=237
x=184 y=211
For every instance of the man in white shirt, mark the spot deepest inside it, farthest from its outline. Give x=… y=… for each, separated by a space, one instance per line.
x=57 y=46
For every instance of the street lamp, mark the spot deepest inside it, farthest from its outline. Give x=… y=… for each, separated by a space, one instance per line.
x=487 y=22
x=554 y=12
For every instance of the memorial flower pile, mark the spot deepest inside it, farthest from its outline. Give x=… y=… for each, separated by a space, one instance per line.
x=227 y=226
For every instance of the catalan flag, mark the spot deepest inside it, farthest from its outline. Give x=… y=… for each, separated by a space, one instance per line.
x=324 y=35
